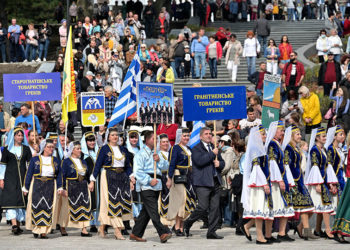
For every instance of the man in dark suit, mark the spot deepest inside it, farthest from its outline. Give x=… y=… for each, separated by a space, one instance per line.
x=143 y=113
x=207 y=166
x=148 y=113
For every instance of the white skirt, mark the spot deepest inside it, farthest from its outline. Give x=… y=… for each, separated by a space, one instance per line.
x=259 y=208
x=335 y=200
x=279 y=208
x=317 y=200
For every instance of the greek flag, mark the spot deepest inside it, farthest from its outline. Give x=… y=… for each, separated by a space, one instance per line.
x=126 y=104
x=194 y=139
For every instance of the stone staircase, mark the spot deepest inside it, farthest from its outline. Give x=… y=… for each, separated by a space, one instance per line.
x=299 y=34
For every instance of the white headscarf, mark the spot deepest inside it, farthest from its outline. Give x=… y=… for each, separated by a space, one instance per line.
x=85 y=150
x=178 y=136
x=287 y=137
x=70 y=147
x=255 y=148
x=271 y=133
x=312 y=143
x=330 y=136
x=158 y=144
x=130 y=148
x=10 y=141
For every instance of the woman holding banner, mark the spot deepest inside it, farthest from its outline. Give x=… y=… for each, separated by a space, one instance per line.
x=13 y=167
x=46 y=170
x=182 y=198
x=77 y=208
x=115 y=196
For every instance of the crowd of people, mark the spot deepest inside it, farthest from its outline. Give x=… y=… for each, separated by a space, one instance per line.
x=242 y=176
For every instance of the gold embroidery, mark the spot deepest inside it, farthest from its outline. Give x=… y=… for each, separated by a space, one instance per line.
x=286 y=157
x=314 y=160
x=271 y=154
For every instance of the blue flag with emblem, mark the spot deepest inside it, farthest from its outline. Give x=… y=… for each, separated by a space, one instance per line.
x=126 y=103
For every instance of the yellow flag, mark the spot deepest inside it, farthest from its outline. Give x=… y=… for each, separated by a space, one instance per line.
x=69 y=95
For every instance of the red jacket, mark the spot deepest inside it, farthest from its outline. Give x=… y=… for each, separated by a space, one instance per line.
x=346 y=29
x=287 y=70
x=218 y=50
x=220 y=34
x=169 y=130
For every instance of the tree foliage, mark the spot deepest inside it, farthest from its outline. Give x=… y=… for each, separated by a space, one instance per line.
x=31 y=11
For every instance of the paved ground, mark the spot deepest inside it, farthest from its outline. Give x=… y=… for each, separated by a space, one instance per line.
x=198 y=241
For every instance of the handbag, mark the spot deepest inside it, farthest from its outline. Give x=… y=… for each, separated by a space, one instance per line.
x=34 y=42
x=329 y=114
x=180 y=179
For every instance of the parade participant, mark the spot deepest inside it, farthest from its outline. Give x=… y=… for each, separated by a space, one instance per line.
x=145 y=163
x=182 y=198
x=207 y=167
x=89 y=150
x=317 y=178
x=77 y=210
x=164 y=146
x=47 y=181
x=341 y=226
x=13 y=166
x=282 y=181
x=58 y=152
x=256 y=193
x=302 y=202
x=113 y=166
x=336 y=159
x=33 y=143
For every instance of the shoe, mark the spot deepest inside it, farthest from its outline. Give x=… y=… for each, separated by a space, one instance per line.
x=43 y=236
x=239 y=232
x=93 y=229
x=25 y=61
x=214 y=236
x=52 y=231
x=58 y=227
x=249 y=237
x=178 y=233
x=340 y=239
x=273 y=240
x=329 y=238
x=15 y=230
x=85 y=235
x=307 y=234
x=135 y=238
x=38 y=60
x=320 y=234
x=44 y=59
x=35 y=235
x=173 y=229
x=165 y=237
x=263 y=243
x=63 y=233
x=187 y=230
x=125 y=232
x=285 y=238
x=20 y=230
x=299 y=234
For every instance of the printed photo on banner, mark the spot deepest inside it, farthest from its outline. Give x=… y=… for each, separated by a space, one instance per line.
x=271 y=99
x=32 y=87
x=214 y=103
x=93 y=109
x=155 y=103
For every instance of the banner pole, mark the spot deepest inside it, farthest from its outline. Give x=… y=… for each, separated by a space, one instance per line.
x=155 y=149
x=215 y=134
x=33 y=114
x=66 y=128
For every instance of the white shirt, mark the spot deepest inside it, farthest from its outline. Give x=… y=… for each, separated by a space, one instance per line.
x=47 y=169
x=251 y=46
x=188 y=152
x=119 y=159
x=333 y=40
x=245 y=123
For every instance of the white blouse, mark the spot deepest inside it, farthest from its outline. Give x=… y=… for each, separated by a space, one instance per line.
x=119 y=158
x=47 y=169
x=251 y=46
x=79 y=165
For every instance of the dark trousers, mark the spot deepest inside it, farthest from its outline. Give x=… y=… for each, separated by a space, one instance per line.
x=149 y=27
x=14 y=50
x=149 y=212
x=213 y=67
x=208 y=198
x=327 y=88
x=178 y=61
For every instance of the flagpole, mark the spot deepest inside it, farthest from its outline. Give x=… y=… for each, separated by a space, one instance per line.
x=66 y=128
x=126 y=112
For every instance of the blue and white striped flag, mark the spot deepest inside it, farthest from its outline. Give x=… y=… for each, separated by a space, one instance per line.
x=126 y=104
x=194 y=139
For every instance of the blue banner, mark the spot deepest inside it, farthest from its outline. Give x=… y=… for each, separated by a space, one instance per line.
x=32 y=87
x=214 y=103
x=155 y=103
